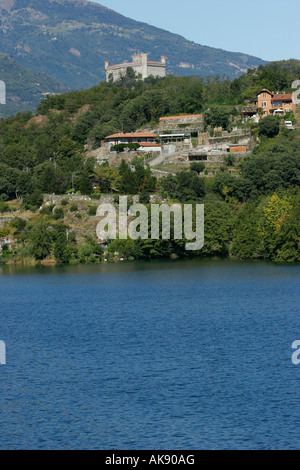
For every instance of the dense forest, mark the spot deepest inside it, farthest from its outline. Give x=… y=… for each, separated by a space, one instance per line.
x=252 y=216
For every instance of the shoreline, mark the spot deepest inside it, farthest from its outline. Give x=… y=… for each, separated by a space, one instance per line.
x=150 y=262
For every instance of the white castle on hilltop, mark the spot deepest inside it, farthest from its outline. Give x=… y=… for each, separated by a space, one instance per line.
x=140 y=64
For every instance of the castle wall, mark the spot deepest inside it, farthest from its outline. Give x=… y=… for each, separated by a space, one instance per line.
x=140 y=65
x=156 y=71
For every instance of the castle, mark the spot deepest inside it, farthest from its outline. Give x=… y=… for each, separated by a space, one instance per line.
x=141 y=66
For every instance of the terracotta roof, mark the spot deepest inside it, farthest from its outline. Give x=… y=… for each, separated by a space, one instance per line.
x=265 y=90
x=131 y=136
x=282 y=97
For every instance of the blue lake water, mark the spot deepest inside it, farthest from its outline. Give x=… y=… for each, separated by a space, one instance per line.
x=172 y=355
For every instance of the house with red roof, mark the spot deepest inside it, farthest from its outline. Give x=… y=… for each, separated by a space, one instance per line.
x=146 y=140
x=274 y=104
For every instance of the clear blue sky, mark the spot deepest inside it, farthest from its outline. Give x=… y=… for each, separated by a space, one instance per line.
x=269 y=29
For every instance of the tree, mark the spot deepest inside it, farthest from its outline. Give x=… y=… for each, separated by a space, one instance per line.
x=268 y=126
x=275 y=212
x=58 y=213
x=144 y=197
x=62 y=249
x=34 y=201
x=246 y=238
x=41 y=241
x=109 y=178
x=217 y=116
x=4 y=207
x=198 y=167
x=185 y=186
x=129 y=183
x=84 y=184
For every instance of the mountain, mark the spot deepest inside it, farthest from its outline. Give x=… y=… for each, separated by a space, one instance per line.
x=24 y=89
x=71 y=39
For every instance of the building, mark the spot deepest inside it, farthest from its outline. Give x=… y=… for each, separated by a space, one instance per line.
x=181 y=128
x=296 y=94
x=274 y=103
x=237 y=148
x=180 y=120
x=249 y=114
x=141 y=66
x=147 y=141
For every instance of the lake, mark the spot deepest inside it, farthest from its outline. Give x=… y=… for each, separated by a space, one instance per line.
x=166 y=355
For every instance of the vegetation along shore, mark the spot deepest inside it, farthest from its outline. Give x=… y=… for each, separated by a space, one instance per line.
x=54 y=170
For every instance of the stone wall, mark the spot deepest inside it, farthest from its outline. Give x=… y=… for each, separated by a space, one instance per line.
x=140 y=65
x=56 y=199
x=6 y=241
x=296 y=94
x=175 y=147
x=4 y=220
x=173 y=122
x=222 y=143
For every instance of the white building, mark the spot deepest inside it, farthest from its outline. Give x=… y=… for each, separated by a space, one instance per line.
x=146 y=141
x=140 y=64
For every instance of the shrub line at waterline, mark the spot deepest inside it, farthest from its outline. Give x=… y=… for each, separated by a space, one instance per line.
x=186 y=222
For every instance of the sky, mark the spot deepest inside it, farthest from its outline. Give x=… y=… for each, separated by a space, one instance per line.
x=269 y=29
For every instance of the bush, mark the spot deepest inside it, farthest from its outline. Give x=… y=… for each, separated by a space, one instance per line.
x=198 y=167
x=269 y=126
x=144 y=197
x=93 y=211
x=47 y=210
x=34 y=200
x=74 y=207
x=4 y=207
x=230 y=160
x=18 y=224
x=59 y=213
x=121 y=147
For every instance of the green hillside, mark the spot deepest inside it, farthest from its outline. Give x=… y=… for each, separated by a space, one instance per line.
x=24 y=89
x=252 y=215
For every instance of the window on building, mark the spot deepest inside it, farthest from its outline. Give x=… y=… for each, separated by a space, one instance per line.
x=264 y=104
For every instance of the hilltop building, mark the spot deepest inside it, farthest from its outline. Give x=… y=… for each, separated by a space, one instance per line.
x=140 y=64
x=275 y=103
